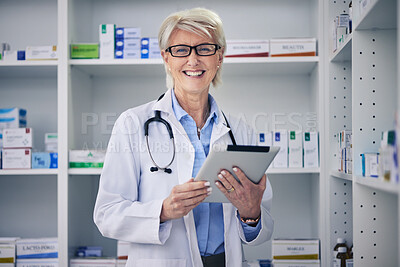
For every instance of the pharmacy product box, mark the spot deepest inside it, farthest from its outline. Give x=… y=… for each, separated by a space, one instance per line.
x=7 y=264
x=1 y=158
x=122 y=249
x=44 y=160
x=295 y=149
x=369 y=163
x=280 y=138
x=85 y=251
x=295 y=249
x=18 y=138
x=345 y=138
x=264 y=139
x=296 y=263
x=93 y=262
x=247 y=48
x=21 y=55
x=121 y=263
x=41 y=52
x=127 y=54
x=149 y=48
x=12 y=118
x=51 y=142
x=84 y=51
x=16 y=158
x=37 y=262
x=311 y=150
x=1 y=138
x=10 y=55
x=127 y=44
x=7 y=253
x=293 y=47
x=37 y=248
x=86 y=158
x=107 y=40
x=127 y=33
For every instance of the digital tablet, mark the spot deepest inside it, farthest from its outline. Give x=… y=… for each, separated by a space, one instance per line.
x=252 y=160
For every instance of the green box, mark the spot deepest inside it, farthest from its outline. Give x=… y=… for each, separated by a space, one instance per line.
x=84 y=51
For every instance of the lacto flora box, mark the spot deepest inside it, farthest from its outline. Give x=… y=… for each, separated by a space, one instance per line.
x=293 y=47
x=37 y=262
x=37 y=248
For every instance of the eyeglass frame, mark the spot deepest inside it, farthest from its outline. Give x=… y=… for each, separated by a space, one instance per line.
x=217 y=47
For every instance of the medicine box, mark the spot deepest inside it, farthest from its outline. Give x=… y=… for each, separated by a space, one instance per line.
x=127 y=44
x=121 y=263
x=86 y=158
x=280 y=138
x=295 y=149
x=18 y=158
x=292 y=47
x=149 y=48
x=122 y=249
x=18 y=138
x=127 y=33
x=295 y=249
x=12 y=118
x=84 y=251
x=7 y=253
x=296 y=263
x=10 y=55
x=44 y=160
x=37 y=248
x=1 y=138
x=107 y=40
x=51 y=142
x=311 y=150
x=247 y=48
x=97 y=262
x=37 y=262
x=264 y=139
x=370 y=163
x=127 y=54
x=84 y=51
x=41 y=52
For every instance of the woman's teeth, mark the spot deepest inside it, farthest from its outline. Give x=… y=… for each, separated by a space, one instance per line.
x=193 y=73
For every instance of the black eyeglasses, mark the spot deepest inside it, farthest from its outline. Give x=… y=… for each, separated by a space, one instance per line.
x=186 y=50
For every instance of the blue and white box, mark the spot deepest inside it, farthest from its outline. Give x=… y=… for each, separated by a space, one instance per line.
x=311 y=149
x=84 y=251
x=44 y=160
x=149 y=48
x=280 y=138
x=264 y=139
x=127 y=44
x=12 y=118
x=127 y=54
x=52 y=262
x=127 y=33
x=37 y=248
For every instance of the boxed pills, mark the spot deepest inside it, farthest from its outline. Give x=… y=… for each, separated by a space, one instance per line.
x=369 y=163
x=295 y=149
x=311 y=149
x=86 y=158
x=292 y=47
x=127 y=44
x=93 y=262
x=12 y=118
x=122 y=249
x=280 y=138
x=127 y=54
x=37 y=248
x=37 y=262
x=296 y=263
x=84 y=251
x=84 y=51
x=107 y=40
x=149 y=48
x=7 y=253
x=44 y=160
x=41 y=52
x=264 y=139
x=18 y=138
x=127 y=33
x=121 y=263
x=295 y=249
x=51 y=142
x=247 y=48
x=17 y=158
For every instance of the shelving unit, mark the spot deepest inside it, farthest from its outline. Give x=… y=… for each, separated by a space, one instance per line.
x=65 y=96
x=363 y=97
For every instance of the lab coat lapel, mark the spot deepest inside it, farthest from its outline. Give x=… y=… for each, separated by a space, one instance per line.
x=220 y=129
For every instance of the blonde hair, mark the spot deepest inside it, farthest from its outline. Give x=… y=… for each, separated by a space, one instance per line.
x=200 y=21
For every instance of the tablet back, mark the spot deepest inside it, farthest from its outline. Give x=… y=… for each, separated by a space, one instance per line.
x=252 y=160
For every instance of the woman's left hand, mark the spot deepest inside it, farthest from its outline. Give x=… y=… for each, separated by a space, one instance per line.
x=246 y=196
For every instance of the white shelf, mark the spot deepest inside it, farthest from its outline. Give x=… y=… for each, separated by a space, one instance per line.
x=378 y=184
x=29 y=69
x=380 y=14
x=30 y=172
x=344 y=52
x=85 y=171
x=4 y=63
x=341 y=175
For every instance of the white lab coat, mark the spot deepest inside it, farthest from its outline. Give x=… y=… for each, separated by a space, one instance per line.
x=130 y=197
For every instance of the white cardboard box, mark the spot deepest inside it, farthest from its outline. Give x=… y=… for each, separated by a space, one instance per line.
x=122 y=249
x=7 y=253
x=98 y=262
x=37 y=262
x=18 y=138
x=247 y=48
x=41 y=52
x=292 y=47
x=311 y=150
x=296 y=263
x=280 y=138
x=107 y=41
x=295 y=149
x=18 y=158
x=295 y=249
x=37 y=248
x=86 y=158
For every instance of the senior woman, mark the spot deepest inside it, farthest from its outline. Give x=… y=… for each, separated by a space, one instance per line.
x=159 y=210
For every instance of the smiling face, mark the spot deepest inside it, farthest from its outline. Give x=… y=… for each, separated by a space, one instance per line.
x=192 y=74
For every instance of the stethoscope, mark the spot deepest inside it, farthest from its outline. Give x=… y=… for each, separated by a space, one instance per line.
x=157 y=118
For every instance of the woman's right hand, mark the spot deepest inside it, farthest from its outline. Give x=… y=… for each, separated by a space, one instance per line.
x=184 y=198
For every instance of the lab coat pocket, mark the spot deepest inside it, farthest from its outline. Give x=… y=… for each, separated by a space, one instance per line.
x=160 y=263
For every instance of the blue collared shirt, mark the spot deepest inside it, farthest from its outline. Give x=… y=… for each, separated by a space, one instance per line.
x=210 y=232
